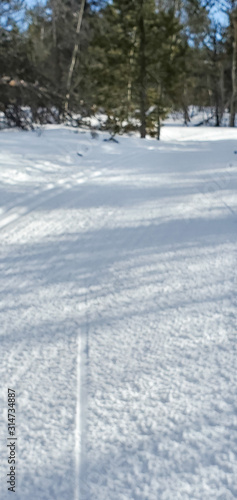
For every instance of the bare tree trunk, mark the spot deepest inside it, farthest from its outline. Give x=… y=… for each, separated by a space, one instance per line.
x=233 y=72
x=56 y=65
x=131 y=60
x=142 y=71
x=222 y=89
x=74 y=55
x=54 y=17
x=217 y=111
x=159 y=100
x=185 y=105
x=216 y=78
x=158 y=124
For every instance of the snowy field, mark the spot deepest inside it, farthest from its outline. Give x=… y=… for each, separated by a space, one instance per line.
x=118 y=314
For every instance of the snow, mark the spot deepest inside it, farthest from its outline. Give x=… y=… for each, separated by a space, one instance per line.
x=118 y=314
x=197 y=116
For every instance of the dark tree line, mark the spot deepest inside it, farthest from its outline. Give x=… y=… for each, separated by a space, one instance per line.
x=130 y=61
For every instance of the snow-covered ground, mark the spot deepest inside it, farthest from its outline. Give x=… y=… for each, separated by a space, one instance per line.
x=118 y=314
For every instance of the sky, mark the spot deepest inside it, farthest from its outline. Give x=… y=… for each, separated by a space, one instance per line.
x=31 y=3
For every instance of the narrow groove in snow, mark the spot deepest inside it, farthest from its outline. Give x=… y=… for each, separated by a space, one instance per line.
x=78 y=421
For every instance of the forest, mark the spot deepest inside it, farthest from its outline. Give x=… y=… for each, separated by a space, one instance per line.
x=127 y=62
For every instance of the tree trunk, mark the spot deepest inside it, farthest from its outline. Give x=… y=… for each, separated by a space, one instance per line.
x=222 y=90
x=74 y=55
x=233 y=72
x=158 y=123
x=217 y=114
x=54 y=18
x=186 y=115
x=159 y=100
x=131 y=62
x=217 y=102
x=56 y=60
x=216 y=78
x=142 y=71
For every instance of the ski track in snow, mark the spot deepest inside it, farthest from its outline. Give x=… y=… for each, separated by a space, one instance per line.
x=118 y=314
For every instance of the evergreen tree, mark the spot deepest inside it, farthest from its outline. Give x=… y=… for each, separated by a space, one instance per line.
x=133 y=60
